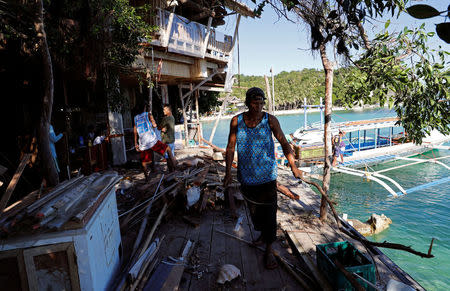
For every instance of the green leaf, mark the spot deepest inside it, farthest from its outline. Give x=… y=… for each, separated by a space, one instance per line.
x=443 y=31
x=422 y=11
x=386 y=25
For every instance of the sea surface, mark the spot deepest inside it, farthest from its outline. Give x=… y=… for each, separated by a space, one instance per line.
x=416 y=217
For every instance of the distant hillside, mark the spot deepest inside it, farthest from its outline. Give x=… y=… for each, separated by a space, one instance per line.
x=292 y=87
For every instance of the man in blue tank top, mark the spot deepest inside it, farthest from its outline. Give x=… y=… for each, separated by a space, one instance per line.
x=251 y=132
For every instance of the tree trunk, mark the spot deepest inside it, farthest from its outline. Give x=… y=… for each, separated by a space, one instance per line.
x=48 y=165
x=328 y=67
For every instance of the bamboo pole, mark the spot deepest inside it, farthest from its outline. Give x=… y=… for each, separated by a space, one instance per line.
x=197 y=112
x=268 y=94
x=152 y=231
x=144 y=222
x=224 y=105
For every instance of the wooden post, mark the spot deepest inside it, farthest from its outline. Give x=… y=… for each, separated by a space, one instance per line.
x=184 y=116
x=269 y=95
x=224 y=105
x=13 y=183
x=197 y=112
x=190 y=102
x=201 y=83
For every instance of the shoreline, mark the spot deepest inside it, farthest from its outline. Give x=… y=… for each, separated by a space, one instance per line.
x=291 y=111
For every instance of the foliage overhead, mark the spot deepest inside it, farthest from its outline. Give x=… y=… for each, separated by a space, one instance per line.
x=84 y=37
x=423 y=11
x=403 y=71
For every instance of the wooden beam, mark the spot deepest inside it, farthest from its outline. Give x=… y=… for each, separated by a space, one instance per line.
x=201 y=83
x=13 y=183
x=206 y=88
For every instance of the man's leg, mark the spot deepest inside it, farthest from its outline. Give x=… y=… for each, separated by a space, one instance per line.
x=269 y=231
x=146 y=158
x=264 y=216
x=171 y=162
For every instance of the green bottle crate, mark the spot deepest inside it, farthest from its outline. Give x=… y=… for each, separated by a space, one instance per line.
x=353 y=261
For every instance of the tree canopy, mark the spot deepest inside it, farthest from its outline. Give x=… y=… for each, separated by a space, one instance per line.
x=292 y=87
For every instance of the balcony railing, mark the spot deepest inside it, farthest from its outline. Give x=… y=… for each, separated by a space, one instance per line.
x=188 y=38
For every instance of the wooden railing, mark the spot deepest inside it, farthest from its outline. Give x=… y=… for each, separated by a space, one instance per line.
x=188 y=37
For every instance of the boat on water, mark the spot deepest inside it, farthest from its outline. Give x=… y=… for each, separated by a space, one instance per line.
x=367 y=142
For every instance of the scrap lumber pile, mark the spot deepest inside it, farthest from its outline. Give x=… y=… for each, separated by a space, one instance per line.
x=68 y=202
x=188 y=192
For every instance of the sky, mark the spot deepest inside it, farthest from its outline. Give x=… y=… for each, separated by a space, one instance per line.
x=272 y=42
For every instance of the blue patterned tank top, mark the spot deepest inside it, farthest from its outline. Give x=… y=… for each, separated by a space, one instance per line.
x=256 y=152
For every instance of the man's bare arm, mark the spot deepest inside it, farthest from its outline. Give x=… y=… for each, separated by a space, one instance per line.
x=229 y=155
x=152 y=120
x=287 y=150
x=136 y=145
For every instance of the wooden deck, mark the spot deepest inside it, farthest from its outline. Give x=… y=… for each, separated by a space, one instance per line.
x=299 y=232
x=213 y=249
x=300 y=220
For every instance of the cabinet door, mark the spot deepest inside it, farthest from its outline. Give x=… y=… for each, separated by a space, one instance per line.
x=12 y=271
x=52 y=267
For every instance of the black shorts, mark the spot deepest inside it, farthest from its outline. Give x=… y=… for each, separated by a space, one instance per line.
x=262 y=203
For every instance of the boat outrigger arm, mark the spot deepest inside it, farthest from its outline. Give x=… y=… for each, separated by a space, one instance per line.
x=372 y=176
x=428 y=160
x=375 y=175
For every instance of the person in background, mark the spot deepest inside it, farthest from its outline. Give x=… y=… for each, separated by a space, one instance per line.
x=252 y=132
x=338 y=147
x=144 y=125
x=167 y=128
x=91 y=134
x=53 y=139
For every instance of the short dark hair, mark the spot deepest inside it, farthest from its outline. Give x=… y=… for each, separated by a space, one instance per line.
x=253 y=93
x=168 y=106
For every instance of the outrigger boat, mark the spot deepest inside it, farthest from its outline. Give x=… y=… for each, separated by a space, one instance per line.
x=368 y=142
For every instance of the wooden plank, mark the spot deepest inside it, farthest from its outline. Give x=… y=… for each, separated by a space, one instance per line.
x=192 y=234
x=13 y=183
x=250 y=262
x=218 y=249
x=202 y=253
x=174 y=277
x=233 y=251
x=304 y=253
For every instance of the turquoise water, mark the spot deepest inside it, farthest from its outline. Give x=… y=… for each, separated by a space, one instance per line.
x=417 y=217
